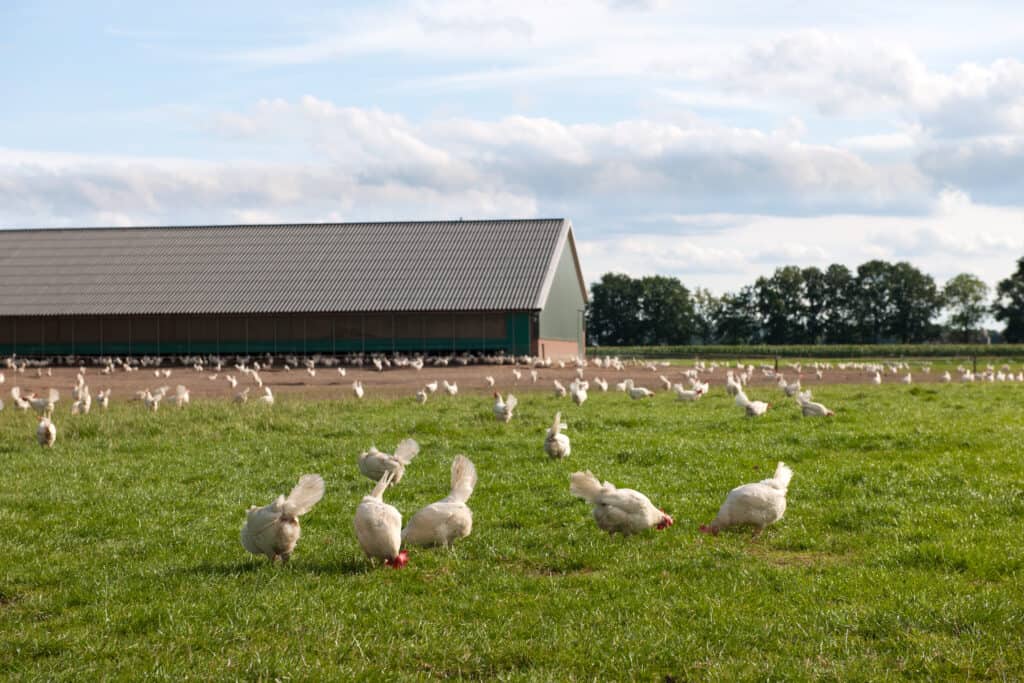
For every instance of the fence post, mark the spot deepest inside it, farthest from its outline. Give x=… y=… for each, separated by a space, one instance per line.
x=974 y=365
x=776 y=363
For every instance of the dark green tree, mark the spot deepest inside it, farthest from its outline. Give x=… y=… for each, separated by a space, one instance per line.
x=1009 y=305
x=964 y=297
x=613 y=316
x=780 y=305
x=839 y=295
x=815 y=288
x=738 y=321
x=706 y=310
x=872 y=303
x=915 y=303
x=666 y=311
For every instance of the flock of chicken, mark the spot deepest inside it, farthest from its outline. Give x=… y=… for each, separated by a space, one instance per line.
x=273 y=530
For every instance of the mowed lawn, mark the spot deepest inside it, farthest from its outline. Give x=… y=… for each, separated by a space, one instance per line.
x=900 y=555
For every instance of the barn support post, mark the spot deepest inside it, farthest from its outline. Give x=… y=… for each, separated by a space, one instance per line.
x=362 y=331
x=393 y=334
x=130 y=336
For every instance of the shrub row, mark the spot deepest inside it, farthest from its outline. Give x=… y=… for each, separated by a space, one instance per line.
x=815 y=351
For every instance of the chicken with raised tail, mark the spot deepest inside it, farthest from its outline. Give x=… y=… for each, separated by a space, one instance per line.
x=752 y=408
x=503 y=409
x=448 y=520
x=811 y=409
x=374 y=464
x=758 y=504
x=46 y=432
x=273 y=530
x=357 y=389
x=578 y=391
x=623 y=510
x=556 y=444
x=379 y=527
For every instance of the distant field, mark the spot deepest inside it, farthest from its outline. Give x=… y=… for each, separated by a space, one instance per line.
x=900 y=555
x=822 y=351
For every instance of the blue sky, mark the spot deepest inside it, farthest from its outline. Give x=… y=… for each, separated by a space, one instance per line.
x=710 y=141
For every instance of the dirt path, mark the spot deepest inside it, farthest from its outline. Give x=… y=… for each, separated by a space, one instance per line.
x=392 y=383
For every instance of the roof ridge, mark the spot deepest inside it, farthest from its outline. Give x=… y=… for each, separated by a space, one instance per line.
x=331 y=224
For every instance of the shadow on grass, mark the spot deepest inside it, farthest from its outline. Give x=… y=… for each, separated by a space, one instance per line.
x=350 y=566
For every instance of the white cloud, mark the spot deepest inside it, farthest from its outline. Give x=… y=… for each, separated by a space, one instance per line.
x=947 y=241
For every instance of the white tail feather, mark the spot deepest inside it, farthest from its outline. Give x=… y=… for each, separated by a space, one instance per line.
x=406 y=451
x=782 y=477
x=305 y=495
x=557 y=426
x=463 y=479
x=584 y=485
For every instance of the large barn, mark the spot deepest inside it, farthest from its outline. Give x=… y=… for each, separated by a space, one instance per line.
x=434 y=287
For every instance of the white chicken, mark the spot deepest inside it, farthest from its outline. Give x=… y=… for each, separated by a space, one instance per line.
x=104 y=398
x=379 y=527
x=243 y=395
x=758 y=504
x=421 y=396
x=342 y=371
x=448 y=520
x=811 y=409
x=489 y=381
x=503 y=410
x=877 y=379
x=907 y=379
x=601 y=384
x=20 y=402
x=232 y=380
x=639 y=392
x=556 y=444
x=42 y=405
x=623 y=510
x=665 y=383
x=752 y=408
x=46 y=432
x=84 y=402
x=152 y=401
x=431 y=386
x=578 y=391
x=516 y=375
x=792 y=389
x=181 y=396
x=273 y=530
x=559 y=389
x=688 y=394
x=374 y=464
x=357 y=389
x=452 y=388
x=267 y=398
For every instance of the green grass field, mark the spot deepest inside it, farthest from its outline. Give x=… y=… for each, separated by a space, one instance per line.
x=900 y=555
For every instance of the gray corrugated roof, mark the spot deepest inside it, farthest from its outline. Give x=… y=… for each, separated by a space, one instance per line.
x=324 y=267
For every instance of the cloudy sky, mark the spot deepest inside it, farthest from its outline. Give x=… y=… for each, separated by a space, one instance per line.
x=710 y=141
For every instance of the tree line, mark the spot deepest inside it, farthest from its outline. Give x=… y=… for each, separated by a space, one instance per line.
x=878 y=302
